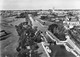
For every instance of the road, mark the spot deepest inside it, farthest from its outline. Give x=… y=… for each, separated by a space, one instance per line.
x=40 y=27
x=38 y=24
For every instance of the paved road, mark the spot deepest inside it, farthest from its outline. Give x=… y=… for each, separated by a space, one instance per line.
x=38 y=24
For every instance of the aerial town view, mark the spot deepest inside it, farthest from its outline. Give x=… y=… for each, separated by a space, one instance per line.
x=40 y=33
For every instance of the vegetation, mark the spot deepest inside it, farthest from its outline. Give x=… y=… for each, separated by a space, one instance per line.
x=28 y=39
x=58 y=31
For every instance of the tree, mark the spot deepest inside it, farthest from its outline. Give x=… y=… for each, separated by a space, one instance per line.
x=28 y=38
x=58 y=31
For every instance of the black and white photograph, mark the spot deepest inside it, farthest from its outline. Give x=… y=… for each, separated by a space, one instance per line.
x=40 y=28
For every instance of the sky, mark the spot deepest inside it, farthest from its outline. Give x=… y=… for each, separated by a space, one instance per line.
x=39 y=4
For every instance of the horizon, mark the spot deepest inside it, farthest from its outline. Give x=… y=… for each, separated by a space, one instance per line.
x=39 y=4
